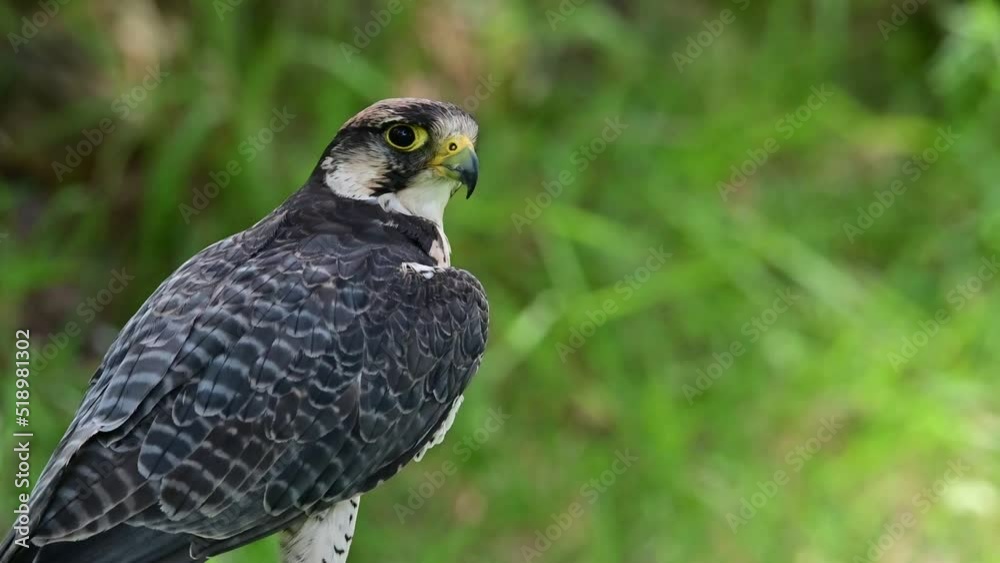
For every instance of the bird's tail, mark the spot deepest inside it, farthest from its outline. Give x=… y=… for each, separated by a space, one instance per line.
x=120 y=544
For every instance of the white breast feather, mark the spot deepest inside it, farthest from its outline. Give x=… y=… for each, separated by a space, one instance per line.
x=325 y=537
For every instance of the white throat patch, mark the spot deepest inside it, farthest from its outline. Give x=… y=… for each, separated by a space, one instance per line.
x=361 y=169
x=426 y=196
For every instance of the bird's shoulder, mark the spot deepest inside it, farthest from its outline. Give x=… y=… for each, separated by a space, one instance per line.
x=298 y=340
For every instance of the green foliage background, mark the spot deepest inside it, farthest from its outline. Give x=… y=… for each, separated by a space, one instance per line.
x=579 y=384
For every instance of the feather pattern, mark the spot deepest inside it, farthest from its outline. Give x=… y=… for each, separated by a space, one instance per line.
x=277 y=373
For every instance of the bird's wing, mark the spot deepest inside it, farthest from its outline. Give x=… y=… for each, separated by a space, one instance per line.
x=260 y=381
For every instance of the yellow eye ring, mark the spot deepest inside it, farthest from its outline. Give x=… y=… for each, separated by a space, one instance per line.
x=406 y=137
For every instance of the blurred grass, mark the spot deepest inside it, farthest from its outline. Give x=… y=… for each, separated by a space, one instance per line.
x=656 y=185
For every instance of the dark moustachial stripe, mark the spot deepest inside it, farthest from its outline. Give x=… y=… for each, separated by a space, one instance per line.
x=287 y=368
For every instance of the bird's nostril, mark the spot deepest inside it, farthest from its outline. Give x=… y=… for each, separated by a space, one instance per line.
x=453 y=147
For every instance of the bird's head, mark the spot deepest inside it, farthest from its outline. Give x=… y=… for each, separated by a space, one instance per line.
x=417 y=152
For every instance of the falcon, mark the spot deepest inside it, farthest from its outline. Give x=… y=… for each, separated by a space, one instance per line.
x=280 y=373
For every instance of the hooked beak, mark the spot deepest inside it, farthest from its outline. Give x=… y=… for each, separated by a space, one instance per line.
x=457 y=160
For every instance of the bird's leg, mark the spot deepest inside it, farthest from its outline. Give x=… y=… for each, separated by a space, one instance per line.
x=324 y=537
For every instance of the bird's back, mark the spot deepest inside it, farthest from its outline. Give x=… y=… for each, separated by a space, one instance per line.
x=269 y=376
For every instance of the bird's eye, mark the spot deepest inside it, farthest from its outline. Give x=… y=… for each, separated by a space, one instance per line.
x=406 y=137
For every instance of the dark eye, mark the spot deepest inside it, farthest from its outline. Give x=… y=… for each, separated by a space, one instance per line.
x=406 y=138
x=401 y=136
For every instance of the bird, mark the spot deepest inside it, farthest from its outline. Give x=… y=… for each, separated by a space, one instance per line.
x=281 y=373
